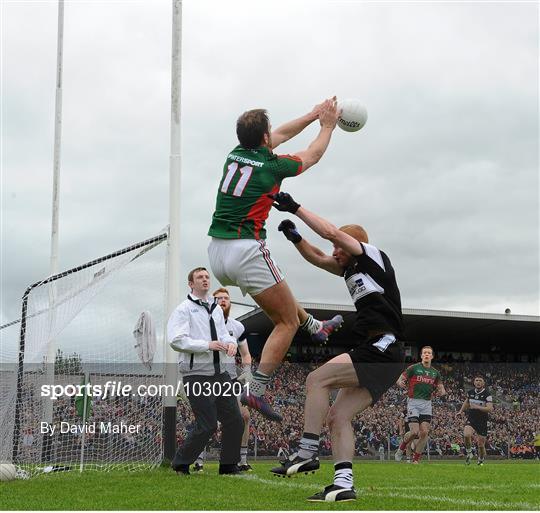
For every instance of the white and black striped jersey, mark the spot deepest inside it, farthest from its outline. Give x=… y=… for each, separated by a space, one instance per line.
x=238 y=332
x=480 y=398
x=373 y=288
x=236 y=329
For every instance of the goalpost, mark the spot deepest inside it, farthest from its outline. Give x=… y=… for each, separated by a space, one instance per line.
x=94 y=321
x=41 y=354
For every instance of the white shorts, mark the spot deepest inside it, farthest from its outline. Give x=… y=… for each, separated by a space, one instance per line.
x=418 y=410
x=244 y=263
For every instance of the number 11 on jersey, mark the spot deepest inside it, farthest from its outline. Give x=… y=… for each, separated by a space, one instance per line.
x=245 y=171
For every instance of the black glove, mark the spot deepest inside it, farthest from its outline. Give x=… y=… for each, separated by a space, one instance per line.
x=283 y=201
x=289 y=230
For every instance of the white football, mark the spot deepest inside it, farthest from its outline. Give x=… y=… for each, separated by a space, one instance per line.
x=353 y=115
x=8 y=472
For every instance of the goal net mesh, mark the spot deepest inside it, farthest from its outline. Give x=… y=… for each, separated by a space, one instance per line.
x=99 y=323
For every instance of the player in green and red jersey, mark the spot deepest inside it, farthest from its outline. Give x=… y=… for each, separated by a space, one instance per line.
x=238 y=253
x=421 y=381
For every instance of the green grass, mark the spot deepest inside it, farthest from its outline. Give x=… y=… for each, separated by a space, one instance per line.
x=381 y=486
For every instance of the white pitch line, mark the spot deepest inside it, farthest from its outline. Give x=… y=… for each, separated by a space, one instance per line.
x=458 y=487
x=386 y=493
x=464 y=502
x=279 y=481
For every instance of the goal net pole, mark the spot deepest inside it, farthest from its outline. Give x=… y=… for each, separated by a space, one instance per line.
x=51 y=349
x=84 y=419
x=22 y=409
x=173 y=247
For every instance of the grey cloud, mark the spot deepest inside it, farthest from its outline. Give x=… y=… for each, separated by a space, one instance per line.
x=444 y=176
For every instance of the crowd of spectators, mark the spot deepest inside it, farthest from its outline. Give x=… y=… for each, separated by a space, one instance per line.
x=512 y=426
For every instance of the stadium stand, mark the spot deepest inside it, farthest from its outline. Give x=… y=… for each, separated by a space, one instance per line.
x=512 y=426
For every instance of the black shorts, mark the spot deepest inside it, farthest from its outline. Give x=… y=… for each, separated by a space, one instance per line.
x=421 y=418
x=479 y=425
x=378 y=370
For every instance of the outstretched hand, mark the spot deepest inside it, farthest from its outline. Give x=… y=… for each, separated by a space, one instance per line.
x=289 y=230
x=329 y=114
x=284 y=202
x=316 y=111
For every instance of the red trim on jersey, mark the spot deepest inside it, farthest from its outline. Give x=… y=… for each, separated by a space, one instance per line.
x=296 y=159
x=410 y=389
x=259 y=211
x=269 y=261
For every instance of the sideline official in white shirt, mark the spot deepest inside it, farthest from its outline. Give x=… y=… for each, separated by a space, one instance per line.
x=196 y=329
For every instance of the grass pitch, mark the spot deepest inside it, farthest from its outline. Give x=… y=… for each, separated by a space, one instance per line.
x=380 y=486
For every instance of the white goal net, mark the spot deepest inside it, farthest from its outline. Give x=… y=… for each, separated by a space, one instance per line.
x=99 y=325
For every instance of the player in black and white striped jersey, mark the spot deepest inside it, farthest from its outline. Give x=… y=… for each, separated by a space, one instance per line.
x=478 y=406
x=361 y=375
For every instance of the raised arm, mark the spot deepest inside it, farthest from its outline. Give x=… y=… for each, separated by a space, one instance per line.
x=328 y=118
x=330 y=232
x=318 y=258
x=284 y=202
x=311 y=253
x=288 y=130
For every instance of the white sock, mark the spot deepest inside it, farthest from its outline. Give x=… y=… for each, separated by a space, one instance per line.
x=343 y=475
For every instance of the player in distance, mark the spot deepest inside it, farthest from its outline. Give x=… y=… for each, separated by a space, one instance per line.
x=478 y=406
x=363 y=374
x=421 y=381
x=238 y=253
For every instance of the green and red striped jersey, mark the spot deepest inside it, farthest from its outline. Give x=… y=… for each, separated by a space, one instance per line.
x=421 y=381
x=242 y=203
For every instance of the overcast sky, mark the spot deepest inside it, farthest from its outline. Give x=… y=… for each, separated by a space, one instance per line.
x=444 y=176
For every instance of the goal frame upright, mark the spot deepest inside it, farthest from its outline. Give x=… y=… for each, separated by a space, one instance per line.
x=173 y=243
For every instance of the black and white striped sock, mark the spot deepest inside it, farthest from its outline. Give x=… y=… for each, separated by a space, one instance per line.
x=243 y=455
x=308 y=446
x=200 y=459
x=343 y=475
x=311 y=325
